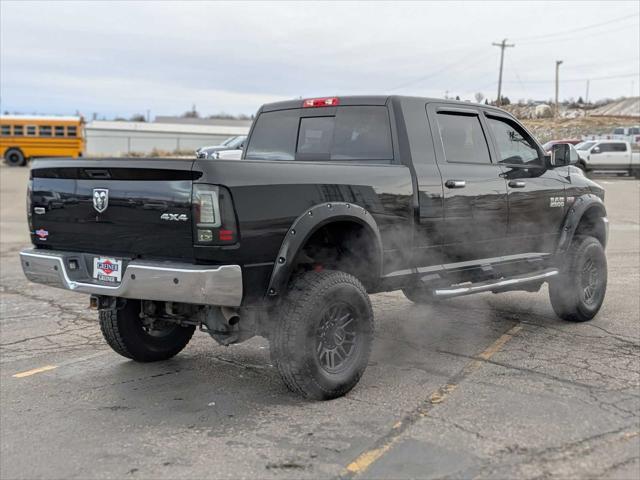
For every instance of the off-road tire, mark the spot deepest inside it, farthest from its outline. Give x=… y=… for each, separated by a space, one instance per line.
x=299 y=341
x=123 y=330
x=14 y=157
x=585 y=267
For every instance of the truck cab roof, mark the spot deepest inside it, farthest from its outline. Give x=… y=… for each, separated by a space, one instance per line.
x=351 y=100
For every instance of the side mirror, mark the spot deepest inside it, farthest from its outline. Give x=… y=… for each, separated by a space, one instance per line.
x=563 y=154
x=595 y=150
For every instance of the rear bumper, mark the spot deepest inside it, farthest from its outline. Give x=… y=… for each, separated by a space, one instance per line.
x=141 y=279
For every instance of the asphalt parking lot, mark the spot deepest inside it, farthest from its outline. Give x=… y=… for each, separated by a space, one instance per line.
x=487 y=386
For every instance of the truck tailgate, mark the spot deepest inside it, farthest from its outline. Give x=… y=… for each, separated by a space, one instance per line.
x=129 y=207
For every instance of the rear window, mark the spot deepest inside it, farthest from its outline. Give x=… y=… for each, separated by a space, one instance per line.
x=352 y=133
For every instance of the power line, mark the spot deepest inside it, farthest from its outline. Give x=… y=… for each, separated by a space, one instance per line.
x=607 y=77
x=579 y=29
x=435 y=73
x=572 y=37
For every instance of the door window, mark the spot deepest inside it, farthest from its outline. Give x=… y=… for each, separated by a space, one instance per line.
x=463 y=140
x=614 y=147
x=515 y=147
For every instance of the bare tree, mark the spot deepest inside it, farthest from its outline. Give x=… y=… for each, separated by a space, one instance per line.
x=479 y=97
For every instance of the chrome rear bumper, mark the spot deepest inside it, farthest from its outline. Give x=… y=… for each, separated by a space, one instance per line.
x=141 y=279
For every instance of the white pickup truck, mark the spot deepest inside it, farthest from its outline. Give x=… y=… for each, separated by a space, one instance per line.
x=611 y=155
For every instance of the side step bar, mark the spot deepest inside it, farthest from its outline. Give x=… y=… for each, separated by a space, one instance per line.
x=456 y=291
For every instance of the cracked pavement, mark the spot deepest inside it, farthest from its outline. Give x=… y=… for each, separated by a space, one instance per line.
x=485 y=386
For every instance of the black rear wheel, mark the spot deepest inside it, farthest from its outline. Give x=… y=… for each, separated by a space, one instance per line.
x=14 y=157
x=322 y=338
x=141 y=340
x=578 y=292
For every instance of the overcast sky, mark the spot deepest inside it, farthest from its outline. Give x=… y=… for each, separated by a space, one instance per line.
x=121 y=58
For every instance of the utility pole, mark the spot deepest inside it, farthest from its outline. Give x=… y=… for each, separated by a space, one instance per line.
x=502 y=46
x=586 y=97
x=558 y=63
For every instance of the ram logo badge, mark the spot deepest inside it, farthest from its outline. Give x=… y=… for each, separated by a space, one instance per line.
x=174 y=217
x=100 y=199
x=556 y=202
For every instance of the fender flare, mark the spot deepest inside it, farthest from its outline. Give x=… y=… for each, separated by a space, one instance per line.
x=306 y=225
x=578 y=209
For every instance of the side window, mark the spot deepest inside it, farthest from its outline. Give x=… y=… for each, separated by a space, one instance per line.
x=274 y=136
x=462 y=137
x=606 y=147
x=619 y=147
x=31 y=130
x=71 y=131
x=59 y=131
x=17 y=130
x=5 y=130
x=515 y=147
x=45 y=131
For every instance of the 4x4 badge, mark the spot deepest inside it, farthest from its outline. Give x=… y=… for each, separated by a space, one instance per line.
x=100 y=199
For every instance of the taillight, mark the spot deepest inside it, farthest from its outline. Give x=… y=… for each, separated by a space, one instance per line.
x=321 y=102
x=29 y=205
x=214 y=220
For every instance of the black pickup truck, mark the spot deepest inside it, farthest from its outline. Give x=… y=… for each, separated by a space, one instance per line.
x=333 y=199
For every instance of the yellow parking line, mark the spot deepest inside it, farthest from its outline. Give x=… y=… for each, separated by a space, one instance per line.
x=367 y=458
x=28 y=373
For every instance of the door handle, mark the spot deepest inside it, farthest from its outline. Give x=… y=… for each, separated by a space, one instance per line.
x=455 y=184
x=517 y=184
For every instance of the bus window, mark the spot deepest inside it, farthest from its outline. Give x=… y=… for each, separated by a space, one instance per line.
x=17 y=130
x=6 y=130
x=45 y=131
x=71 y=131
x=59 y=131
x=31 y=130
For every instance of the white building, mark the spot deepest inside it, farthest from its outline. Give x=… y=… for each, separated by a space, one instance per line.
x=106 y=138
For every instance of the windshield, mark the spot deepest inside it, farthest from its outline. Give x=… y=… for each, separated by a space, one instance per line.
x=228 y=141
x=585 y=145
x=235 y=142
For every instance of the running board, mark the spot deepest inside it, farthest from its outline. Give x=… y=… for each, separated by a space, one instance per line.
x=494 y=284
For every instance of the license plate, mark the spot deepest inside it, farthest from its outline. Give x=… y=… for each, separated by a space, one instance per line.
x=107 y=269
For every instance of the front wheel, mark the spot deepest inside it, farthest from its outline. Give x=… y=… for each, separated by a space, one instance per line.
x=14 y=158
x=132 y=337
x=578 y=292
x=322 y=338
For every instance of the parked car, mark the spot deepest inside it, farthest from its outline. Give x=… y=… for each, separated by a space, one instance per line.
x=333 y=199
x=548 y=146
x=609 y=155
x=231 y=143
x=624 y=134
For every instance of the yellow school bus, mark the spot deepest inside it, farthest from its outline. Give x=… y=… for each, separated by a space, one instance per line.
x=26 y=137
